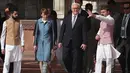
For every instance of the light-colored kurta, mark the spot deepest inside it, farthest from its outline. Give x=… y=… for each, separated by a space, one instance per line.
x=105 y=48
x=107 y=51
x=12 y=52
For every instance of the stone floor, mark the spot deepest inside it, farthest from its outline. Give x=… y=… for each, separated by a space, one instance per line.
x=29 y=65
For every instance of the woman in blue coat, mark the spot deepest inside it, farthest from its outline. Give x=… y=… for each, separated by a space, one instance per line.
x=44 y=40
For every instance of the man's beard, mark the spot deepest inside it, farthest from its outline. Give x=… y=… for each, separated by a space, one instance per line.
x=14 y=18
x=102 y=14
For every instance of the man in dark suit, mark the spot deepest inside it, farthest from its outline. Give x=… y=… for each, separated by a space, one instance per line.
x=73 y=38
x=122 y=38
x=92 y=43
x=114 y=9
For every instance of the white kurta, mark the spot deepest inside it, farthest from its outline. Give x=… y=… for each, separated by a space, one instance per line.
x=106 y=51
x=12 y=52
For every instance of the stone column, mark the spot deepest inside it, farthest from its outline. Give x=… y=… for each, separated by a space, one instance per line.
x=59 y=7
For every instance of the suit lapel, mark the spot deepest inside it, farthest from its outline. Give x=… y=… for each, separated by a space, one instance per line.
x=128 y=24
x=119 y=24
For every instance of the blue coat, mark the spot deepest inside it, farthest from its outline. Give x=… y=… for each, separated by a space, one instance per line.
x=44 y=39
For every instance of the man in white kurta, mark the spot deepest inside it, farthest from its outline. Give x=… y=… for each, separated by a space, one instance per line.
x=12 y=39
x=105 y=49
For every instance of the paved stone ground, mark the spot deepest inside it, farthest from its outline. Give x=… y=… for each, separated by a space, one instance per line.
x=29 y=65
x=32 y=67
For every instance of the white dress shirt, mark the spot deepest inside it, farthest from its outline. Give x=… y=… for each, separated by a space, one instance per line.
x=73 y=20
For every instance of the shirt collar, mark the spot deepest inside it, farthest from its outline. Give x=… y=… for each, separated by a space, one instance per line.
x=74 y=15
x=43 y=21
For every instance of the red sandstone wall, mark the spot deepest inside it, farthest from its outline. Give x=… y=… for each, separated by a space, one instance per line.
x=28 y=26
x=28 y=37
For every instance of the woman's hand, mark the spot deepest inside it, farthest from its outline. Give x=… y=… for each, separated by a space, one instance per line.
x=35 y=47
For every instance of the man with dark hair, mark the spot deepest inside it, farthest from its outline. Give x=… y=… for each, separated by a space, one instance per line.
x=6 y=16
x=6 y=11
x=89 y=6
x=91 y=50
x=105 y=49
x=114 y=9
x=122 y=38
x=11 y=39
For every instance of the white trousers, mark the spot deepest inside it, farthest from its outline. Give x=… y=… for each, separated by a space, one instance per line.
x=16 y=69
x=12 y=54
x=109 y=65
x=105 y=52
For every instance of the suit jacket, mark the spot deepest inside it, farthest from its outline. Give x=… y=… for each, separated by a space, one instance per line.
x=117 y=29
x=92 y=43
x=78 y=34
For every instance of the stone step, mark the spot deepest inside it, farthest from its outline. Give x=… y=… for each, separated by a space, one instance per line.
x=29 y=65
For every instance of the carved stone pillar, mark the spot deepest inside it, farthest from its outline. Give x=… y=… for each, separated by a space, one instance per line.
x=59 y=7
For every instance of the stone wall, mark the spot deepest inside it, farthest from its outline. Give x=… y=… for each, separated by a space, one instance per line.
x=28 y=9
x=28 y=26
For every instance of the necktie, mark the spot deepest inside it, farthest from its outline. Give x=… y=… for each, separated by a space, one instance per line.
x=123 y=32
x=73 y=21
x=124 y=20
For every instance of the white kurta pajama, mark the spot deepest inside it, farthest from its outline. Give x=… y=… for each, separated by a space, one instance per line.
x=105 y=50
x=13 y=53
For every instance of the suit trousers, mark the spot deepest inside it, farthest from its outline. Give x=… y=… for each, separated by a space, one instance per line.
x=124 y=48
x=73 y=58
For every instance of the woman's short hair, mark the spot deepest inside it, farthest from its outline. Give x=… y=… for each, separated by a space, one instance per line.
x=45 y=11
